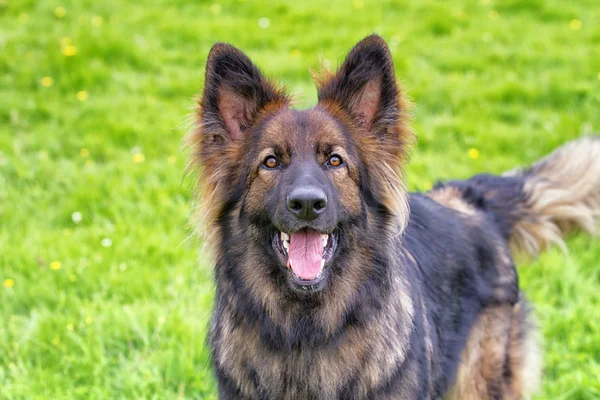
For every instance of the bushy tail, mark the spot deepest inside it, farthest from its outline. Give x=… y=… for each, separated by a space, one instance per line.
x=561 y=192
x=535 y=207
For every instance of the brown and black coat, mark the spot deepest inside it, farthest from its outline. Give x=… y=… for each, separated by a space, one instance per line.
x=421 y=300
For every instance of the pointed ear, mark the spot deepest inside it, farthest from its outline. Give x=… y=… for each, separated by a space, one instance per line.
x=235 y=92
x=365 y=86
x=364 y=95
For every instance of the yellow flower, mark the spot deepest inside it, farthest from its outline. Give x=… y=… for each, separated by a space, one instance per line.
x=295 y=53
x=138 y=158
x=473 y=154
x=69 y=50
x=97 y=20
x=84 y=152
x=493 y=15
x=60 y=12
x=358 y=3
x=46 y=81
x=8 y=283
x=55 y=265
x=172 y=160
x=82 y=95
x=23 y=18
x=215 y=9
x=575 y=24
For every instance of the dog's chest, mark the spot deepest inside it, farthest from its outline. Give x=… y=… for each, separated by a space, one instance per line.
x=358 y=363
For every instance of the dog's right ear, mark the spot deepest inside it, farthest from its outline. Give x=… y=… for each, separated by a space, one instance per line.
x=235 y=92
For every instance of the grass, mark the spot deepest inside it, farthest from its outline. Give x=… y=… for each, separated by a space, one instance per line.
x=93 y=96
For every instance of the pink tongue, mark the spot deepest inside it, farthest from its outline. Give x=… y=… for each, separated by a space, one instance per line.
x=305 y=254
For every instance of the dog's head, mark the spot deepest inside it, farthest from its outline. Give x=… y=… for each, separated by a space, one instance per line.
x=297 y=202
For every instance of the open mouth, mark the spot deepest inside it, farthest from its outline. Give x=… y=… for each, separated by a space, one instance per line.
x=306 y=254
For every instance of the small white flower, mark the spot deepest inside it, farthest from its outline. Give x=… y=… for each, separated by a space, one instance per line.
x=264 y=23
x=135 y=150
x=106 y=242
x=77 y=217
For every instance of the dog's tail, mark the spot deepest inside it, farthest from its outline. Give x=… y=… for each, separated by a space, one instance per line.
x=562 y=192
x=537 y=206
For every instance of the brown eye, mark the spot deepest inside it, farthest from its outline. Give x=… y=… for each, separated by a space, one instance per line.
x=271 y=162
x=335 y=160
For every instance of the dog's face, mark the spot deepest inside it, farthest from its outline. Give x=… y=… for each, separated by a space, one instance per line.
x=303 y=188
x=292 y=195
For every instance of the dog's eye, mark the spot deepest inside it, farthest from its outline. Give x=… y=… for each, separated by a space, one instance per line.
x=335 y=161
x=271 y=162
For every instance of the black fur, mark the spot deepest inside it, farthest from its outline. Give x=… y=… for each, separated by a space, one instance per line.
x=457 y=271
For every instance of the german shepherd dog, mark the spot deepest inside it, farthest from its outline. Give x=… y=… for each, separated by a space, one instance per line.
x=333 y=282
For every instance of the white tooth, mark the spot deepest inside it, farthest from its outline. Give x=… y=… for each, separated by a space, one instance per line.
x=286 y=245
x=285 y=237
x=322 y=265
x=325 y=239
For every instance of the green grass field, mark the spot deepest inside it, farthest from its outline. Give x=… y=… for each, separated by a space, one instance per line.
x=104 y=295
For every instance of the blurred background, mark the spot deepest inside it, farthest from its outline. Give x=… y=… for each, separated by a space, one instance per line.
x=103 y=291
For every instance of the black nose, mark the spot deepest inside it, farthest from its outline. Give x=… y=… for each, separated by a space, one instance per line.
x=307 y=202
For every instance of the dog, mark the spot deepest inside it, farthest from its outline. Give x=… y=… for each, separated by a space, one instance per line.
x=332 y=281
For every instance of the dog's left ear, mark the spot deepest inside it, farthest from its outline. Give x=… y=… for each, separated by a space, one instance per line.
x=365 y=86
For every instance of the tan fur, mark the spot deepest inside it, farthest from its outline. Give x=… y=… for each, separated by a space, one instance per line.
x=451 y=197
x=564 y=193
x=524 y=353
x=500 y=359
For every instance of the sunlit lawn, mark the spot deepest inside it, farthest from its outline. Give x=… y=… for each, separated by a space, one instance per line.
x=103 y=294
